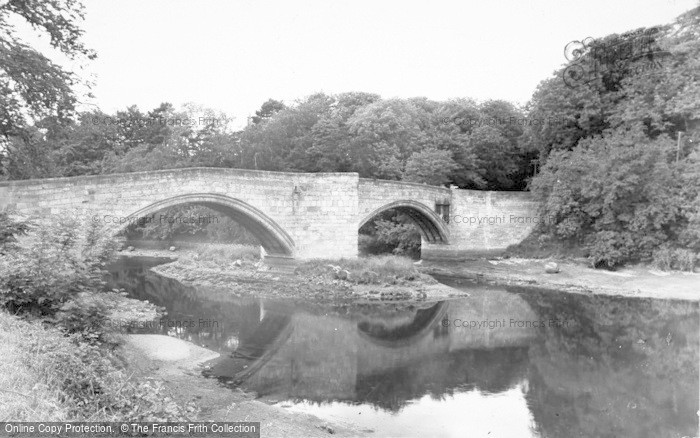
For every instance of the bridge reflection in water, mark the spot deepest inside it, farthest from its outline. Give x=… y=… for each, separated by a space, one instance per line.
x=385 y=360
x=618 y=367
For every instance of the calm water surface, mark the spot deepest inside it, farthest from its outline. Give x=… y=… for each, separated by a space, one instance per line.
x=501 y=363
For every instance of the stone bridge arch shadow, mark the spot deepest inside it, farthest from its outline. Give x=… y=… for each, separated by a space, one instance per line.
x=430 y=225
x=272 y=237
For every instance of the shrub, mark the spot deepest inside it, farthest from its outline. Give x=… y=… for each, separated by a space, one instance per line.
x=667 y=258
x=9 y=230
x=403 y=237
x=98 y=317
x=56 y=271
x=370 y=245
x=390 y=232
x=685 y=259
x=663 y=258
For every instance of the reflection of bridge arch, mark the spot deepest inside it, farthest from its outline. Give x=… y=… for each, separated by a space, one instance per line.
x=400 y=336
x=271 y=236
x=430 y=225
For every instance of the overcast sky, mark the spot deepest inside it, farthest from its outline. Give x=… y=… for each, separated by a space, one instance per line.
x=232 y=55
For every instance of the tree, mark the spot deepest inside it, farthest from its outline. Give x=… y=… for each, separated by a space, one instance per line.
x=31 y=86
x=267 y=110
x=430 y=166
x=498 y=157
x=618 y=195
x=331 y=149
x=451 y=128
x=283 y=142
x=385 y=134
x=614 y=178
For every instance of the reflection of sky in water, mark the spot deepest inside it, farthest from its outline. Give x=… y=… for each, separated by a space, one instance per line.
x=465 y=414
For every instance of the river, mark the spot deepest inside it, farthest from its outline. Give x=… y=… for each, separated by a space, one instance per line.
x=504 y=362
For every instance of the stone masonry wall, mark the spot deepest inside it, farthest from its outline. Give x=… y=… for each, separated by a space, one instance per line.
x=318 y=214
x=485 y=223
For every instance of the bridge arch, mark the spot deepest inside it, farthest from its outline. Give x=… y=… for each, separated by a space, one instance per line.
x=423 y=324
x=430 y=225
x=272 y=237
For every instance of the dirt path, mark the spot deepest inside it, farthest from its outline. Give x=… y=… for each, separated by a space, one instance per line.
x=635 y=281
x=178 y=364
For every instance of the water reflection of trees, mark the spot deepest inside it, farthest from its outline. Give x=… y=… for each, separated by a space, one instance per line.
x=214 y=318
x=388 y=361
x=440 y=376
x=620 y=367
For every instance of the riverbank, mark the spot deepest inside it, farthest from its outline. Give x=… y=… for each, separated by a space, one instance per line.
x=574 y=277
x=179 y=363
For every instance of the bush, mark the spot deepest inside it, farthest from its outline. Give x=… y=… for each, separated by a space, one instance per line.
x=667 y=258
x=97 y=318
x=685 y=259
x=9 y=230
x=368 y=244
x=663 y=258
x=403 y=236
x=56 y=272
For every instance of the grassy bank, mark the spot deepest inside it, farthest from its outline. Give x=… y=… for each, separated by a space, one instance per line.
x=28 y=388
x=378 y=269
x=48 y=376
x=381 y=269
x=376 y=278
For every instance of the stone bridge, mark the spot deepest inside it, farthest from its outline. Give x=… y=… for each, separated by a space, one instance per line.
x=299 y=215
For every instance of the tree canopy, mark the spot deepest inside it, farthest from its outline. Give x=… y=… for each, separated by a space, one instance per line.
x=32 y=87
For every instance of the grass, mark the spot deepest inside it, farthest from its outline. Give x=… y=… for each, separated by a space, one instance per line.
x=26 y=390
x=219 y=256
x=379 y=269
x=225 y=254
x=48 y=376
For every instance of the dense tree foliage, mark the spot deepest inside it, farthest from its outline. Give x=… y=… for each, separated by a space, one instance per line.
x=32 y=87
x=620 y=166
x=390 y=232
x=472 y=145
